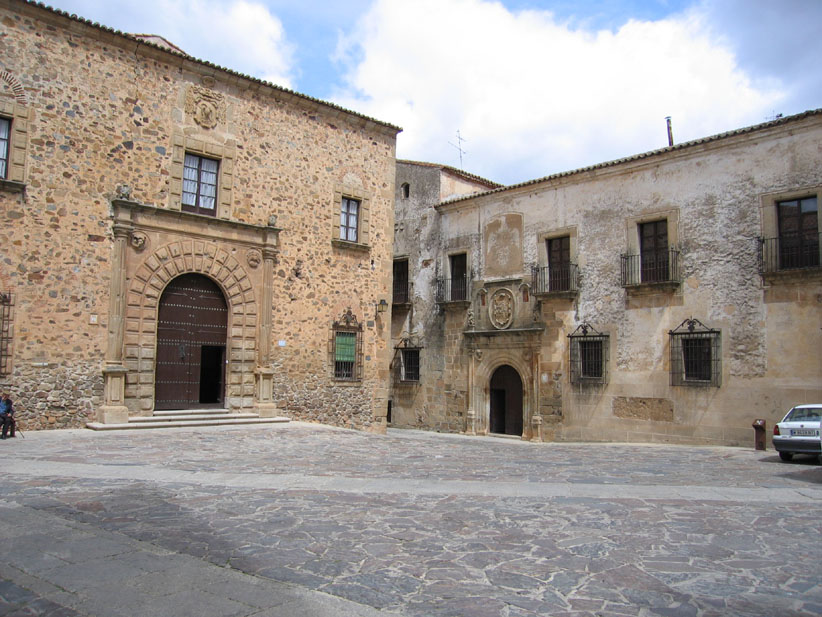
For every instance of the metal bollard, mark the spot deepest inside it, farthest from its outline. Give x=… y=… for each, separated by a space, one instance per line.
x=759 y=434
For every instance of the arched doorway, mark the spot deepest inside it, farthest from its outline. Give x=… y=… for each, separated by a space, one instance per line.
x=191 y=344
x=506 y=401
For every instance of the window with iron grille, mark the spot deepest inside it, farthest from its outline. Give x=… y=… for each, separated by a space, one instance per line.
x=696 y=355
x=589 y=355
x=6 y=304
x=349 y=217
x=410 y=369
x=5 y=136
x=346 y=348
x=200 y=185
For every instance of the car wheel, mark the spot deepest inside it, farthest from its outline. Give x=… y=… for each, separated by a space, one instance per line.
x=786 y=456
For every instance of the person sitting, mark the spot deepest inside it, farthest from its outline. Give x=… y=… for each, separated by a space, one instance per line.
x=6 y=415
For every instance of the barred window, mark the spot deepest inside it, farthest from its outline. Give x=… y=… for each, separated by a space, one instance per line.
x=6 y=304
x=346 y=348
x=410 y=370
x=200 y=185
x=589 y=355
x=696 y=355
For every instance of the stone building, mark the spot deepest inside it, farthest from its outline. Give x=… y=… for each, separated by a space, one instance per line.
x=673 y=296
x=177 y=235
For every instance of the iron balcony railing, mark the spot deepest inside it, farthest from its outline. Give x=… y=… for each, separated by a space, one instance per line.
x=789 y=252
x=551 y=279
x=651 y=267
x=402 y=292
x=452 y=290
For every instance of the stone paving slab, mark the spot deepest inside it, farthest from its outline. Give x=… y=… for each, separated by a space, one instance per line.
x=306 y=520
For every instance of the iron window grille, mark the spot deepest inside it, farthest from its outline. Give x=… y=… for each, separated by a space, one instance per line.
x=401 y=291
x=6 y=305
x=406 y=362
x=349 y=218
x=346 y=348
x=552 y=279
x=5 y=136
x=200 y=185
x=657 y=267
x=589 y=351
x=696 y=355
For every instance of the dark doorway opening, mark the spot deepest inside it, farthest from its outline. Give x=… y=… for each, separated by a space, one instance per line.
x=506 y=402
x=191 y=344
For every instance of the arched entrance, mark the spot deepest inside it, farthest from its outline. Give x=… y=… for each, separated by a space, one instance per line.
x=506 y=401
x=191 y=344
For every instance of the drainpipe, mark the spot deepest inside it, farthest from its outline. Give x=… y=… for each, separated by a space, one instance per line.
x=670 y=132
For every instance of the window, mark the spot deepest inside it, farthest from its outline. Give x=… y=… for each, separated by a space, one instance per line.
x=798 y=233
x=559 y=263
x=459 y=277
x=653 y=251
x=401 y=288
x=346 y=348
x=410 y=365
x=589 y=355
x=5 y=136
x=349 y=216
x=6 y=304
x=695 y=355
x=200 y=185
x=405 y=190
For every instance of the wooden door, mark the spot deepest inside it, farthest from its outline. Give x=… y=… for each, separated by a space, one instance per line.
x=191 y=342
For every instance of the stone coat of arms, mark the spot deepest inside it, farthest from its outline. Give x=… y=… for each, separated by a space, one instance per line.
x=501 y=309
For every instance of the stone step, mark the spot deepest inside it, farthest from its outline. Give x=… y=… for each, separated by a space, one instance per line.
x=174 y=423
x=223 y=415
x=190 y=412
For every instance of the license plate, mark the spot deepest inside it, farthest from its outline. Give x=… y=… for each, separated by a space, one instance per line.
x=804 y=432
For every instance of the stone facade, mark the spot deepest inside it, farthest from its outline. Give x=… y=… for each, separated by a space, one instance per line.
x=94 y=228
x=648 y=299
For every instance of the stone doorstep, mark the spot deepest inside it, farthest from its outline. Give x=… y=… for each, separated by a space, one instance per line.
x=186 y=420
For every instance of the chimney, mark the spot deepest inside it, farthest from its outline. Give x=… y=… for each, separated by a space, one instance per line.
x=670 y=132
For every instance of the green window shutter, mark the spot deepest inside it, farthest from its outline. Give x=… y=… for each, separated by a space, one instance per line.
x=345 y=348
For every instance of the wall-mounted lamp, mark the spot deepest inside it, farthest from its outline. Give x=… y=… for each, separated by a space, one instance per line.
x=381 y=307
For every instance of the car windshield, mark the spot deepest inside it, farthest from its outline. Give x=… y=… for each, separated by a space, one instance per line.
x=798 y=414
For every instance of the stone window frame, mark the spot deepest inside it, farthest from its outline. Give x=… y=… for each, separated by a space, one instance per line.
x=225 y=154
x=769 y=221
x=572 y=233
x=6 y=332
x=363 y=220
x=18 y=116
x=405 y=190
x=632 y=237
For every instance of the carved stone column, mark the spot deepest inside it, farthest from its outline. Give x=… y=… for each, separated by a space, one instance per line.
x=471 y=414
x=264 y=372
x=114 y=410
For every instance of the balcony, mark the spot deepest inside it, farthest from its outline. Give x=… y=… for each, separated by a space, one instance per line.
x=654 y=269
x=402 y=293
x=453 y=290
x=559 y=281
x=789 y=253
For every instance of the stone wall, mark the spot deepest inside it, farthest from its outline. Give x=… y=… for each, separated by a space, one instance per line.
x=106 y=111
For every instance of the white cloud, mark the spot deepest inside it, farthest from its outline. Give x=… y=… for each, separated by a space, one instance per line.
x=533 y=96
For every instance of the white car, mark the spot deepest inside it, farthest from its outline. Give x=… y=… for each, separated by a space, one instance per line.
x=798 y=432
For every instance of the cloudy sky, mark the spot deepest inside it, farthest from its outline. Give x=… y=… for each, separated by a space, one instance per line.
x=534 y=87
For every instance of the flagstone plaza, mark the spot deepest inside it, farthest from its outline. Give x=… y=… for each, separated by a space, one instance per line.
x=305 y=520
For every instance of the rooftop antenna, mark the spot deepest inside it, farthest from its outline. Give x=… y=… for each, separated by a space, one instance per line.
x=458 y=146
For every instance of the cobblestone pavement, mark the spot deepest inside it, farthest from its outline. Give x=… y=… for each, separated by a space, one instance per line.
x=307 y=520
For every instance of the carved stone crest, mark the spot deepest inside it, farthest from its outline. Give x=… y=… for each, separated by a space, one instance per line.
x=501 y=309
x=205 y=106
x=254 y=258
